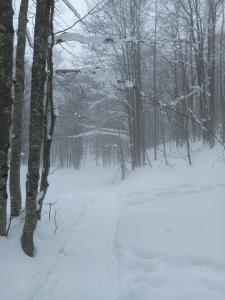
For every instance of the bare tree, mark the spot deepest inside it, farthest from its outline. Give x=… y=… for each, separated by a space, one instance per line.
x=14 y=180
x=41 y=34
x=211 y=59
x=221 y=75
x=49 y=121
x=155 y=80
x=6 y=68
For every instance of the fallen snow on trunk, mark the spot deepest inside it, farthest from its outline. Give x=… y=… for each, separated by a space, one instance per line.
x=157 y=235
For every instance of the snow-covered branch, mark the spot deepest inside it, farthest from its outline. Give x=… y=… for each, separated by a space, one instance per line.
x=72 y=8
x=102 y=131
x=68 y=37
x=98 y=39
x=195 y=90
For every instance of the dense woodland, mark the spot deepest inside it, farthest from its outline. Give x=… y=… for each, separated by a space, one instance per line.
x=150 y=73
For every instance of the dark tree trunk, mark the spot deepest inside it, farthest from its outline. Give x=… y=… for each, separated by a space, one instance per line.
x=6 y=68
x=14 y=179
x=221 y=75
x=155 y=82
x=211 y=66
x=49 y=122
x=36 y=121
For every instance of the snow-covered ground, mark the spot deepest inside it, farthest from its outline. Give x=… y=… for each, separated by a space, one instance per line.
x=159 y=235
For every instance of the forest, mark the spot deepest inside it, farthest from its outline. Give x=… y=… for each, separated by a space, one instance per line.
x=112 y=136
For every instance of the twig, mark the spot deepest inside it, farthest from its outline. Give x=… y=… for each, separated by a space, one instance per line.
x=9 y=225
x=91 y=11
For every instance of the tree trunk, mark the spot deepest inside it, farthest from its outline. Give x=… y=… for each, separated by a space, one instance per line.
x=49 y=123
x=36 y=121
x=221 y=72
x=155 y=83
x=6 y=68
x=211 y=66
x=14 y=179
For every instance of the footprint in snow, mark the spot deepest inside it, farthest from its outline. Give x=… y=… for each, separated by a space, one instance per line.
x=190 y=192
x=184 y=186
x=222 y=185
x=167 y=194
x=212 y=285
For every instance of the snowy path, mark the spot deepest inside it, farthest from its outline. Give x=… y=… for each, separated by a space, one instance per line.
x=158 y=235
x=86 y=267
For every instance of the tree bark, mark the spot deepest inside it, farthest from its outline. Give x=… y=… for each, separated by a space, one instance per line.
x=49 y=122
x=36 y=121
x=211 y=66
x=155 y=82
x=221 y=74
x=6 y=69
x=14 y=179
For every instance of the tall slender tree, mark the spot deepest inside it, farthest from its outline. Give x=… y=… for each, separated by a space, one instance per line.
x=221 y=74
x=14 y=179
x=6 y=69
x=212 y=18
x=49 y=120
x=41 y=33
x=155 y=81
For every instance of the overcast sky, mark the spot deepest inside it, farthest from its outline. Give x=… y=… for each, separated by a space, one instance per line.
x=63 y=19
x=80 y=5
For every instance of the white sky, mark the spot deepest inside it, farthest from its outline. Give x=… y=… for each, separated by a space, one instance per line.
x=63 y=19
x=80 y=5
